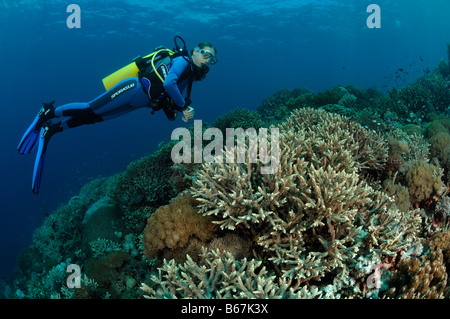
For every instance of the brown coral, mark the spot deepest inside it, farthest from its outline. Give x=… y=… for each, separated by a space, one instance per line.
x=400 y=193
x=438 y=142
x=441 y=241
x=172 y=225
x=424 y=181
x=417 y=279
x=424 y=277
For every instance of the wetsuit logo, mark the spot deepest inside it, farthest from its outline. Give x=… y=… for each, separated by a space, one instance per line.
x=121 y=90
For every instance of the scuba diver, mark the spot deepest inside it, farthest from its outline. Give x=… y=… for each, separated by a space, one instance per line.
x=161 y=80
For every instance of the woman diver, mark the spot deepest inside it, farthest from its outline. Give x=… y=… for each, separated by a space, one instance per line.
x=164 y=81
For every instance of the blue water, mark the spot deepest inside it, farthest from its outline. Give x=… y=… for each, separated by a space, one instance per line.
x=263 y=46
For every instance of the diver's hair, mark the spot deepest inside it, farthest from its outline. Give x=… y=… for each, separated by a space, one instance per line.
x=205 y=44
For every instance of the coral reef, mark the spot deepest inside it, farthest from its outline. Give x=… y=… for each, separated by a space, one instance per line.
x=316 y=214
x=358 y=207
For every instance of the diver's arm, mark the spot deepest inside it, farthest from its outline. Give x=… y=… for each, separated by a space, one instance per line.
x=171 y=82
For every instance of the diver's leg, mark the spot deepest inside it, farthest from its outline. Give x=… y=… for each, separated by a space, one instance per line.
x=124 y=97
x=76 y=114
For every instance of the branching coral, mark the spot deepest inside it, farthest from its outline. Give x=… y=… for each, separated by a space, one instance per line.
x=220 y=275
x=315 y=213
x=367 y=148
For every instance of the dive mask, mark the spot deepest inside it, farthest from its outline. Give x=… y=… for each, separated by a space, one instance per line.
x=208 y=55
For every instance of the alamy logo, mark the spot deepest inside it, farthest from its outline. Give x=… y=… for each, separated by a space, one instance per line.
x=73 y=280
x=74 y=19
x=257 y=150
x=374 y=19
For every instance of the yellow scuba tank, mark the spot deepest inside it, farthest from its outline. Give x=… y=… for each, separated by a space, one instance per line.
x=132 y=69
x=128 y=71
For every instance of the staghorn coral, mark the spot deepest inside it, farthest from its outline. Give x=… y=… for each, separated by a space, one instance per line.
x=172 y=226
x=388 y=231
x=219 y=275
x=315 y=185
x=316 y=213
x=368 y=149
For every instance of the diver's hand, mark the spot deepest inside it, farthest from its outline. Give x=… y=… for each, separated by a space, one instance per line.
x=188 y=114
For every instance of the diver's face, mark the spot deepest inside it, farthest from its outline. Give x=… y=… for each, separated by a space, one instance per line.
x=203 y=56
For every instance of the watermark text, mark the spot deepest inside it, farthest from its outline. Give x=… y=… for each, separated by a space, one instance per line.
x=257 y=150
